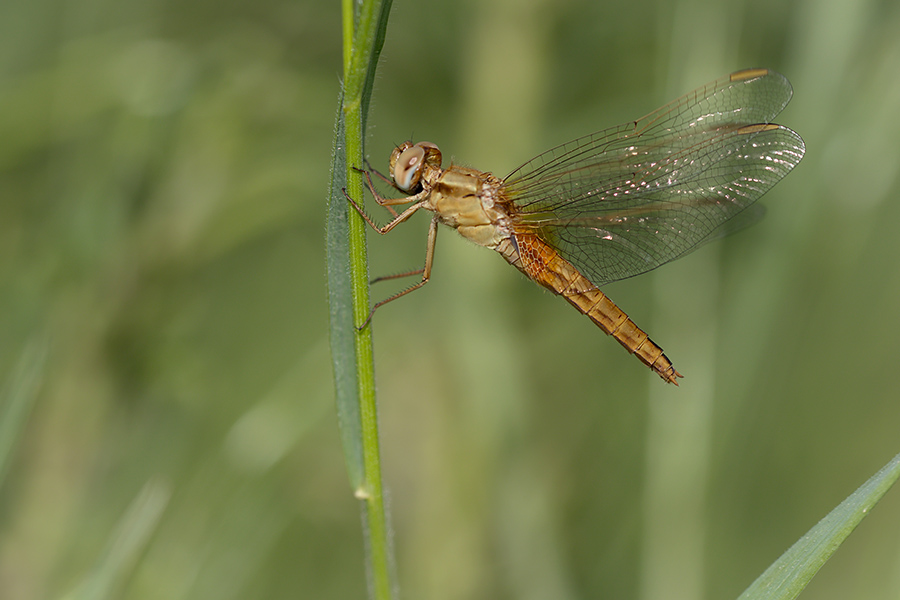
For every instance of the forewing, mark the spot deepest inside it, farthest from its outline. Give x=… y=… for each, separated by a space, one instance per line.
x=626 y=200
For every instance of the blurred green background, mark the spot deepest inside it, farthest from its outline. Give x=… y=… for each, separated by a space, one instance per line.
x=163 y=179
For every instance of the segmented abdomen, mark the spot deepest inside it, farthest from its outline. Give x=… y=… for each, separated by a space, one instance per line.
x=541 y=263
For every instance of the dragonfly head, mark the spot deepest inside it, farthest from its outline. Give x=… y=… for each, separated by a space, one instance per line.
x=409 y=161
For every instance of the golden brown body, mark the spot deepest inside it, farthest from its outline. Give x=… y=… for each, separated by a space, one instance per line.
x=545 y=266
x=615 y=203
x=473 y=202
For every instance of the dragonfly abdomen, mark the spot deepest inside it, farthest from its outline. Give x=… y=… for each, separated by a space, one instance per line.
x=540 y=262
x=611 y=319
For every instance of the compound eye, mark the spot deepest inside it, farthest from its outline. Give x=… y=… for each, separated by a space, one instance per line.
x=408 y=169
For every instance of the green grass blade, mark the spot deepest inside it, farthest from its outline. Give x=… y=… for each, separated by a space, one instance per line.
x=377 y=42
x=345 y=239
x=340 y=301
x=787 y=577
x=349 y=292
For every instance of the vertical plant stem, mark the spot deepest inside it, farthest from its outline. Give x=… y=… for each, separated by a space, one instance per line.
x=349 y=289
x=370 y=491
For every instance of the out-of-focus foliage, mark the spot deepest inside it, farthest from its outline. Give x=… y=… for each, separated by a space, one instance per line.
x=163 y=175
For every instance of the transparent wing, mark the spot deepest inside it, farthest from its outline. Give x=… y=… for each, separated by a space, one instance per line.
x=629 y=199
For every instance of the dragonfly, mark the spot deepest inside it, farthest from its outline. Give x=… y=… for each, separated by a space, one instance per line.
x=612 y=204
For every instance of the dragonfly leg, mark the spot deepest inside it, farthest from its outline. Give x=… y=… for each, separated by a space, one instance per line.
x=397 y=276
x=378 y=198
x=418 y=199
x=380 y=175
x=425 y=271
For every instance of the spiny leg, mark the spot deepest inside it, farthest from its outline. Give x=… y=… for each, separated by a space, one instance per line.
x=378 y=198
x=425 y=271
x=419 y=200
x=383 y=230
x=397 y=276
x=380 y=175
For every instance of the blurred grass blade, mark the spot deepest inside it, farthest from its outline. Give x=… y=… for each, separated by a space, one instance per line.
x=125 y=545
x=16 y=400
x=787 y=577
